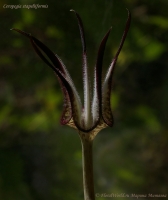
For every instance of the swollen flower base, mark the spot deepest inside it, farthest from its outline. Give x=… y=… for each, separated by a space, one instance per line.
x=96 y=113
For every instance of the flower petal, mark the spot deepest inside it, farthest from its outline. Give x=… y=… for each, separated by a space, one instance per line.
x=67 y=110
x=72 y=103
x=106 y=92
x=69 y=91
x=97 y=99
x=87 y=100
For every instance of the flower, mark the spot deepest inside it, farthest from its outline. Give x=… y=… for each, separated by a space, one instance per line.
x=96 y=113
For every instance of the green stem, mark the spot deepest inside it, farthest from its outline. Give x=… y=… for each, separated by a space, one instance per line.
x=87 y=158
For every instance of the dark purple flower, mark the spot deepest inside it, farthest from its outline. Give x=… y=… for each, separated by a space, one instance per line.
x=96 y=112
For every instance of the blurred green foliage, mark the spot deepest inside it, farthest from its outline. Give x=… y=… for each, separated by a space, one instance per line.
x=40 y=159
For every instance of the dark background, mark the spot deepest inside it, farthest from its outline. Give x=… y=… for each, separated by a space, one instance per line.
x=39 y=158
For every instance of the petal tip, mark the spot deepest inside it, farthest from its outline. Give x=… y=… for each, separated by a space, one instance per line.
x=21 y=32
x=129 y=13
x=72 y=10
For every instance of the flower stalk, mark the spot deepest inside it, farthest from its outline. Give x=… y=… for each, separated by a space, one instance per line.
x=87 y=161
x=96 y=113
